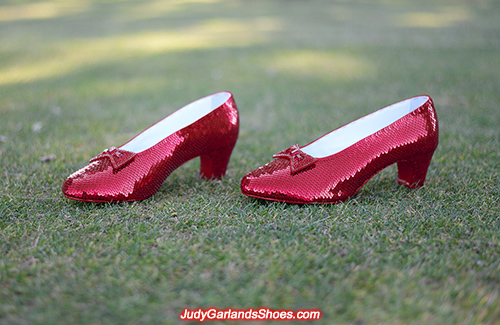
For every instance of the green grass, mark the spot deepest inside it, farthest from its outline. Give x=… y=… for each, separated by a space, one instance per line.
x=95 y=73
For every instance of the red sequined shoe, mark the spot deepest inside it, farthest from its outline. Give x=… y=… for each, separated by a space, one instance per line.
x=334 y=167
x=206 y=128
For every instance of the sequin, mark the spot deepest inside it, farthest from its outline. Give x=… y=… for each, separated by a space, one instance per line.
x=409 y=141
x=118 y=175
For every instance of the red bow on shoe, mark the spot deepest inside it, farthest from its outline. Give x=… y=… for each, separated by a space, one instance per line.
x=117 y=157
x=298 y=159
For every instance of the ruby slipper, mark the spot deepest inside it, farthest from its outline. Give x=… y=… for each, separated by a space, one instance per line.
x=334 y=167
x=206 y=128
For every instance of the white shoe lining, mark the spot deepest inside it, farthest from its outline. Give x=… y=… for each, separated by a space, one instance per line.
x=349 y=134
x=175 y=122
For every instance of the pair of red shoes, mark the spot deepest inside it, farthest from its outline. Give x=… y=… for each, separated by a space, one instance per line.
x=330 y=169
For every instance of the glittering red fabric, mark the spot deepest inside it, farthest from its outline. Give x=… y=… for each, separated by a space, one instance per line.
x=410 y=142
x=118 y=175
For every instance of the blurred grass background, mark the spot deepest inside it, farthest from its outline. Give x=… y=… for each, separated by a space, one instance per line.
x=79 y=76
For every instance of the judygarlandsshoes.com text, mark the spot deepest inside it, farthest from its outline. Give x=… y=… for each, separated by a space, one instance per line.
x=263 y=314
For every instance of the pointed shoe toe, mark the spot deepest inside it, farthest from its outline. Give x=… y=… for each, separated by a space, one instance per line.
x=334 y=167
x=207 y=128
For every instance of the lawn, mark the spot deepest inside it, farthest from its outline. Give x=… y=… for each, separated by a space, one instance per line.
x=79 y=76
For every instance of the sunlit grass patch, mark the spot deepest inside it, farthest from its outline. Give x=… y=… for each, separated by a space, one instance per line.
x=339 y=66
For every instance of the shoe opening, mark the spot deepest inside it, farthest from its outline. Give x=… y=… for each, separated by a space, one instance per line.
x=349 y=134
x=176 y=121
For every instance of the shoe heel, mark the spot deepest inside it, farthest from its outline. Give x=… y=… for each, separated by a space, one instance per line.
x=412 y=171
x=214 y=164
